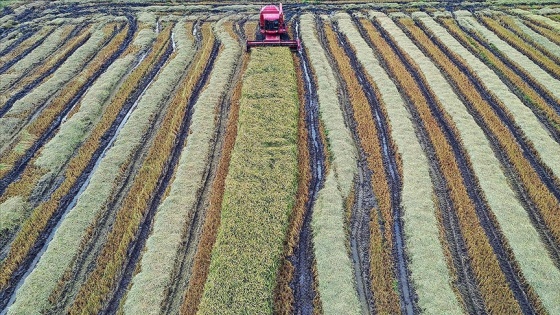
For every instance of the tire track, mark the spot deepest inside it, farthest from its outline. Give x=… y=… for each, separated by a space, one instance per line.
x=302 y=284
x=494 y=236
x=26 y=89
x=394 y=177
x=528 y=152
x=194 y=230
x=22 y=163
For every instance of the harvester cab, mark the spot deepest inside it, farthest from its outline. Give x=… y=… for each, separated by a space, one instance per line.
x=272 y=29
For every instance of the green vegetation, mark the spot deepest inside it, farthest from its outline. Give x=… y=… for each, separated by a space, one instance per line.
x=260 y=190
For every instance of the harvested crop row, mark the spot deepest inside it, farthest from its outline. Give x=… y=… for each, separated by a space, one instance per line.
x=547 y=33
x=427 y=271
x=56 y=153
x=45 y=70
x=466 y=20
x=536 y=98
x=34 y=226
x=530 y=36
x=494 y=288
x=26 y=138
x=201 y=260
x=35 y=57
x=543 y=198
x=382 y=264
x=548 y=63
x=260 y=190
x=545 y=146
x=64 y=247
x=25 y=47
x=334 y=268
x=171 y=222
x=94 y=293
x=484 y=162
x=539 y=19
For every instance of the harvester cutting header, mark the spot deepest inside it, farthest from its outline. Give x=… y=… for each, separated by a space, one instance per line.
x=273 y=30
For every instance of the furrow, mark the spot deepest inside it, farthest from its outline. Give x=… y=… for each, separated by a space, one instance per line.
x=32 y=236
x=468 y=203
x=511 y=217
x=420 y=223
x=327 y=222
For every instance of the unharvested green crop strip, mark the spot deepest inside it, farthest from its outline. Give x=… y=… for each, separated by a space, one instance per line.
x=260 y=190
x=488 y=274
x=386 y=299
x=32 y=228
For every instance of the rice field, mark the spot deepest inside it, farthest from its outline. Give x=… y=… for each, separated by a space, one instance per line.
x=404 y=161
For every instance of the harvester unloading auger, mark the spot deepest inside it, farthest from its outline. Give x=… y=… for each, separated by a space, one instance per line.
x=272 y=30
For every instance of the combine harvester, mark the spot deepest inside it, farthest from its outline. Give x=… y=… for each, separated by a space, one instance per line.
x=273 y=30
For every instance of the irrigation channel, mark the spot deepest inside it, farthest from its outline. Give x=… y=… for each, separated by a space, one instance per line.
x=20 y=165
x=302 y=258
x=496 y=239
x=7 y=297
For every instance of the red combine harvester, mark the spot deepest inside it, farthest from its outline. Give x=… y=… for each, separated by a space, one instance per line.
x=273 y=30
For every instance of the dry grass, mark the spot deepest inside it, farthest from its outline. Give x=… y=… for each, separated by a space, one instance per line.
x=381 y=260
x=530 y=36
x=334 y=268
x=209 y=232
x=93 y=293
x=494 y=288
x=171 y=221
x=38 y=126
x=548 y=63
x=547 y=33
x=536 y=133
x=428 y=272
x=34 y=295
x=514 y=222
x=35 y=57
x=43 y=32
x=260 y=190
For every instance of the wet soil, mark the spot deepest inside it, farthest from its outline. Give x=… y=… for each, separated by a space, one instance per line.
x=486 y=219
x=302 y=284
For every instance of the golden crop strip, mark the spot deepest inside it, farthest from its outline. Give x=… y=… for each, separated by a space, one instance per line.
x=37 y=222
x=37 y=127
x=260 y=190
x=70 y=45
x=492 y=282
x=530 y=95
x=203 y=254
x=381 y=258
x=552 y=35
x=283 y=294
x=510 y=24
x=514 y=40
x=102 y=279
x=542 y=197
x=26 y=44
x=492 y=122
